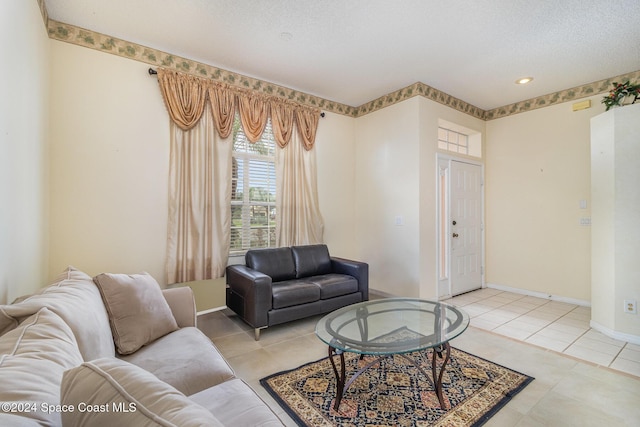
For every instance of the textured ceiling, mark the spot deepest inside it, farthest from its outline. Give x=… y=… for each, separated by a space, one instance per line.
x=353 y=51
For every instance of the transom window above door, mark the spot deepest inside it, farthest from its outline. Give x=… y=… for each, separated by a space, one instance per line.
x=458 y=139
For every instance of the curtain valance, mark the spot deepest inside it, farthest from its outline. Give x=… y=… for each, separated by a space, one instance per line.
x=185 y=97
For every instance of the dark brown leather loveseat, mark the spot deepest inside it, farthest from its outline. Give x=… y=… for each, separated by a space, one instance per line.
x=278 y=285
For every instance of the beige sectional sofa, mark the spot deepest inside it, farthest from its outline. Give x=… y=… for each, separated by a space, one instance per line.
x=116 y=350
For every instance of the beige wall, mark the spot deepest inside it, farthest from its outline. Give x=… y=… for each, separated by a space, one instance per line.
x=92 y=191
x=396 y=179
x=336 y=159
x=387 y=187
x=109 y=167
x=109 y=164
x=23 y=148
x=537 y=171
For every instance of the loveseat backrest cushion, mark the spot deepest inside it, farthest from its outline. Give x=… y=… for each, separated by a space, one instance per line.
x=274 y=262
x=311 y=260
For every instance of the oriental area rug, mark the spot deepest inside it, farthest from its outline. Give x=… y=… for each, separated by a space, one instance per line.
x=395 y=393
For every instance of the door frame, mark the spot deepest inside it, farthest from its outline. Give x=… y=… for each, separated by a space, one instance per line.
x=443 y=222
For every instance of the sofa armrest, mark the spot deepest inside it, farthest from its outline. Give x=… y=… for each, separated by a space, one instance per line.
x=357 y=269
x=254 y=288
x=182 y=304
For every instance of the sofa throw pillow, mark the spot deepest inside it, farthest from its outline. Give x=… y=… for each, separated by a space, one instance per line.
x=33 y=357
x=138 y=312
x=122 y=394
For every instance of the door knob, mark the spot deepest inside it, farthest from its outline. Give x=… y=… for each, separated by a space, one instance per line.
x=455 y=234
x=454 y=222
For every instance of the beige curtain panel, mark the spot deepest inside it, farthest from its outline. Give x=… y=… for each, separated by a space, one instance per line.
x=299 y=221
x=199 y=227
x=200 y=170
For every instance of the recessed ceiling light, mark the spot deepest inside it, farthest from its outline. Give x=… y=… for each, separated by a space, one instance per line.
x=286 y=36
x=524 y=80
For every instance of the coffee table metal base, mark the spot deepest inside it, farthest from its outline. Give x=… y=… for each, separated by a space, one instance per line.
x=342 y=385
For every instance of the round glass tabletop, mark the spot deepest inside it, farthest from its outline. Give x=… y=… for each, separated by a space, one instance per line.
x=391 y=326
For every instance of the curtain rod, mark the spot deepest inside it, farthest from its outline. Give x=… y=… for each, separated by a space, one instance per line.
x=153 y=72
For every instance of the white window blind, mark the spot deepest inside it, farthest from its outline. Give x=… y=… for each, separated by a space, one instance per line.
x=253 y=196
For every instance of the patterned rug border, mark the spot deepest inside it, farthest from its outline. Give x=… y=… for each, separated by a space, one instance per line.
x=488 y=415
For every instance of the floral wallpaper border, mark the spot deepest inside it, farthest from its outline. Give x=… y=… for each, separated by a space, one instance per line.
x=420 y=89
x=78 y=36
x=595 y=88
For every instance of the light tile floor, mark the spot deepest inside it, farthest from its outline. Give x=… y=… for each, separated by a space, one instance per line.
x=567 y=390
x=549 y=324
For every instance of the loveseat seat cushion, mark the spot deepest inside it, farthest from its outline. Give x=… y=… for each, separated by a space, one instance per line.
x=75 y=298
x=121 y=394
x=311 y=260
x=294 y=292
x=334 y=285
x=274 y=262
x=33 y=357
x=236 y=404
x=186 y=359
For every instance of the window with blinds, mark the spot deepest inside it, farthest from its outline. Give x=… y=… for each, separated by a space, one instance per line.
x=253 y=191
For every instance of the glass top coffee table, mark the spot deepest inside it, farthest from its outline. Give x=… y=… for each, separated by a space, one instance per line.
x=388 y=327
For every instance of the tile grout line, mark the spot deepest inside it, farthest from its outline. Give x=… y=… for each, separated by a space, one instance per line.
x=617 y=355
x=493 y=330
x=527 y=312
x=515 y=318
x=580 y=336
x=576 y=340
x=520 y=315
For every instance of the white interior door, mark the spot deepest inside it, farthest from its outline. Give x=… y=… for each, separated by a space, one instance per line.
x=465 y=225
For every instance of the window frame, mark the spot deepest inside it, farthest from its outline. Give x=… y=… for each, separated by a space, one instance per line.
x=242 y=179
x=454 y=141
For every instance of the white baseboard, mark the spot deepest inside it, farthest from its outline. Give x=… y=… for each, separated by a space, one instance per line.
x=381 y=293
x=621 y=336
x=574 y=301
x=210 y=310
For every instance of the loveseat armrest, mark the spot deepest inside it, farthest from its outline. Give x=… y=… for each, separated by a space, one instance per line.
x=254 y=291
x=182 y=304
x=357 y=269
